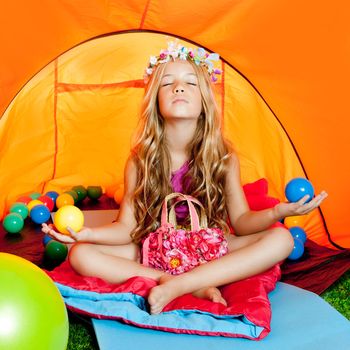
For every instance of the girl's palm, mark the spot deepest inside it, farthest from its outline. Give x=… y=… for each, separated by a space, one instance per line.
x=300 y=207
x=80 y=236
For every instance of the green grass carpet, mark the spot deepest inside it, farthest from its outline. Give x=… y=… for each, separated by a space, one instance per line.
x=82 y=336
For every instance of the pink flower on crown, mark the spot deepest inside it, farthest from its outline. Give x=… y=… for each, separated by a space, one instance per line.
x=163 y=55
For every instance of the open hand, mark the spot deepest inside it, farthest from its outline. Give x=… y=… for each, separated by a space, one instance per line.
x=80 y=236
x=301 y=207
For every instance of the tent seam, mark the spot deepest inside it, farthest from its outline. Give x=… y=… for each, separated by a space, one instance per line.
x=145 y=11
x=67 y=87
x=55 y=96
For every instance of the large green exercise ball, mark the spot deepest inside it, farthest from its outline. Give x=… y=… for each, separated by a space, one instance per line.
x=32 y=312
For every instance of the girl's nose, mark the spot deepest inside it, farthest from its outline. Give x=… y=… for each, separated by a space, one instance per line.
x=178 y=88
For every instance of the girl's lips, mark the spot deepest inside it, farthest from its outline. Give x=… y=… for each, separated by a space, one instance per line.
x=178 y=100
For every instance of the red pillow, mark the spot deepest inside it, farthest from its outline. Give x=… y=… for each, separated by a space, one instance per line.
x=256 y=194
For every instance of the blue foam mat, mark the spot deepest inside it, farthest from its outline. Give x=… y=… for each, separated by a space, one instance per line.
x=300 y=320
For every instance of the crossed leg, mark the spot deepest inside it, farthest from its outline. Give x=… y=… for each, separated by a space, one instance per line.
x=115 y=264
x=112 y=263
x=248 y=256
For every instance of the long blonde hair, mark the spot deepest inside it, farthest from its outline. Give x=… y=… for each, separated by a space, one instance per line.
x=209 y=152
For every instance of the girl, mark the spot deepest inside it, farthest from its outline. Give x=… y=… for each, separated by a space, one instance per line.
x=180 y=145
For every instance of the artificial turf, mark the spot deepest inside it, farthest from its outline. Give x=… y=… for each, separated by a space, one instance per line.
x=82 y=336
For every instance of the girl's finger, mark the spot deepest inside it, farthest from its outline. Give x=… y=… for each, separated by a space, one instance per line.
x=72 y=232
x=303 y=200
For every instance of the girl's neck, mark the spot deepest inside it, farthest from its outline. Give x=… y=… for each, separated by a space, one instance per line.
x=179 y=135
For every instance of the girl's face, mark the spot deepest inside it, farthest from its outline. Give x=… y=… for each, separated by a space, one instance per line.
x=179 y=95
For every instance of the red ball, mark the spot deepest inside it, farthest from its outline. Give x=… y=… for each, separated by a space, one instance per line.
x=24 y=199
x=47 y=201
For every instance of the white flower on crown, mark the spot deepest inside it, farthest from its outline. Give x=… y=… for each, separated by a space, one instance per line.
x=153 y=60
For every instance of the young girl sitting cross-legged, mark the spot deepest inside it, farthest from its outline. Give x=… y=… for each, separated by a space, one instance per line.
x=180 y=148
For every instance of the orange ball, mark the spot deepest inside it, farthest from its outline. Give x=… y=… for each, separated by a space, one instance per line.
x=119 y=194
x=291 y=221
x=64 y=199
x=68 y=215
x=33 y=203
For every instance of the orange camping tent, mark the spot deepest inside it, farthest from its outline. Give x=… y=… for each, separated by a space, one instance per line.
x=71 y=83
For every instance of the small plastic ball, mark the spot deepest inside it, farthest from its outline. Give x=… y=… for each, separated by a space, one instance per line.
x=81 y=192
x=46 y=239
x=19 y=208
x=33 y=203
x=71 y=216
x=298 y=188
x=64 y=199
x=56 y=252
x=35 y=195
x=40 y=214
x=13 y=223
x=291 y=221
x=119 y=194
x=298 y=232
x=94 y=192
x=110 y=190
x=47 y=201
x=74 y=195
x=24 y=199
x=298 y=250
x=53 y=195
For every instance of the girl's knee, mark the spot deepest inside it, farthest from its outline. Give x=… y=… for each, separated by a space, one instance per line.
x=78 y=255
x=282 y=239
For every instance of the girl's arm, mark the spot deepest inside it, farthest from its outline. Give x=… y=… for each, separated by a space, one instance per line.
x=246 y=221
x=117 y=233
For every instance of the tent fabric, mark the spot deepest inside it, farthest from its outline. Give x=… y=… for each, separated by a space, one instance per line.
x=284 y=102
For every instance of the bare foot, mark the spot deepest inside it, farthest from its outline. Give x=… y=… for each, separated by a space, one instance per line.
x=210 y=293
x=163 y=294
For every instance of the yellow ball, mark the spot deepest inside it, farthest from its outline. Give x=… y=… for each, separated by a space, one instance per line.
x=64 y=199
x=33 y=203
x=68 y=215
x=291 y=221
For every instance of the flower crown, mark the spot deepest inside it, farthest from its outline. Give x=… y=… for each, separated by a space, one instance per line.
x=176 y=50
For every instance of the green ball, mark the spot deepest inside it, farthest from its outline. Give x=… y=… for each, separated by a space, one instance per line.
x=35 y=195
x=19 y=208
x=13 y=223
x=74 y=195
x=94 y=192
x=56 y=252
x=32 y=311
x=81 y=192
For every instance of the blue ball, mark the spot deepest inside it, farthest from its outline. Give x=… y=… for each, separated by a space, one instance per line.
x=298 y=232
x=46 y=239
x=40 y=214
x=53 y=195
x=298 y=250
x=298 y=188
